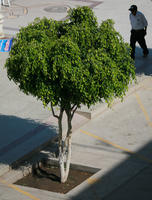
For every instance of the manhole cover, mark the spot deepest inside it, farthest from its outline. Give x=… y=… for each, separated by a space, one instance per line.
x=56 y=9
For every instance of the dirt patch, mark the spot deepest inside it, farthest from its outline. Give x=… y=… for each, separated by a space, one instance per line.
x=48 y=178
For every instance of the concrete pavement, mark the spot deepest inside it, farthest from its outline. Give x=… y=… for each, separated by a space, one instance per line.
x=107 y=142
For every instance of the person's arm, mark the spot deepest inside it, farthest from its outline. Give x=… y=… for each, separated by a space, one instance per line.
x=131 y=22
x=145 y=23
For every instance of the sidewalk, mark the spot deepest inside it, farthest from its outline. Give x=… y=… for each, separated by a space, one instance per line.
x=26 y=125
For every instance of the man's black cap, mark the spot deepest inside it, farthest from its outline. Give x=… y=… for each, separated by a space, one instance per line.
x=133 y=7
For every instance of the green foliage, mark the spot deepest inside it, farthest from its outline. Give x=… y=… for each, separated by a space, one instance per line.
x=72 y=62
x=82 y=15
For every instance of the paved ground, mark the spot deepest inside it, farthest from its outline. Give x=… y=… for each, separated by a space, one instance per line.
x=118 y=141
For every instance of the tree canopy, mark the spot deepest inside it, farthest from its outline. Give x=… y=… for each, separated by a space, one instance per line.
x=70 y=63
x=75 y=61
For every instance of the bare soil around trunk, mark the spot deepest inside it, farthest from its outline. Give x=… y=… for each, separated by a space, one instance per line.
x=48 y=178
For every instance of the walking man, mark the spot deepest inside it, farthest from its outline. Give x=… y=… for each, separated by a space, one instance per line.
x=138 y=31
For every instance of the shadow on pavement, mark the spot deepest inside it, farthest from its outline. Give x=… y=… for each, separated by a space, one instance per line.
x=143 y=65
x=129 y=180
x=19 y=137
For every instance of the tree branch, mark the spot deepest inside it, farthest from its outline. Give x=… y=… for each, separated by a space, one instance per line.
x=74 y=108
x=54 y=112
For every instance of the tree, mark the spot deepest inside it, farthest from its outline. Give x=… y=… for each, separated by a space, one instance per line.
x=70 y=63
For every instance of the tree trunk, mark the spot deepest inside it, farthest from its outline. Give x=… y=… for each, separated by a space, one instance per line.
x=65 y=146
x=64 y=141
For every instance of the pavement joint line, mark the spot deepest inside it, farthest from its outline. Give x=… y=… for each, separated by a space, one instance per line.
x=141 y=157
x=19 y=190
x=143 y=109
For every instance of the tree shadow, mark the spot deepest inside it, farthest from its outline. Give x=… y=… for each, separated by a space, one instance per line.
x=19 y=138
x=129 y=179
x=143 y=65
x=39 y=171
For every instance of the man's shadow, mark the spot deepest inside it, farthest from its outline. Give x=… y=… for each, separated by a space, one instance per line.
x=143 y=65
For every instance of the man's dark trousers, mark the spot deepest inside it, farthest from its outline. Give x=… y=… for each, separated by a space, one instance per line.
x=138 y=36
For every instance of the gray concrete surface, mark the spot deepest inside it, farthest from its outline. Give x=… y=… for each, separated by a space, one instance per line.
x=117 y=141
